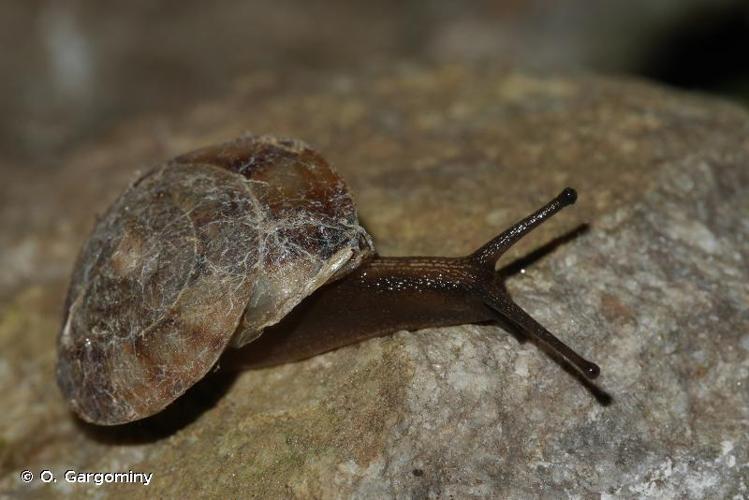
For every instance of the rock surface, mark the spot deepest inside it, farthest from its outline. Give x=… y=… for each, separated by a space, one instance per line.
x=439 y=160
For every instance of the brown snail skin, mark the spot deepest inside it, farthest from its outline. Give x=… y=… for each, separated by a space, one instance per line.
x=218 y=246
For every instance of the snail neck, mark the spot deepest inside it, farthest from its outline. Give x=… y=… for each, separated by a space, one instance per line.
x=382 y=296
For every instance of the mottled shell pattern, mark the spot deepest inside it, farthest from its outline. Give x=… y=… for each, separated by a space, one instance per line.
x=201 y=252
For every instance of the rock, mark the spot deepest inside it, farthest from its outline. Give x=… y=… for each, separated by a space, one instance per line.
x=439 y=160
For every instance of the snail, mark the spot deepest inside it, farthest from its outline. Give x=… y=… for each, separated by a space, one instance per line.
x=208 y=250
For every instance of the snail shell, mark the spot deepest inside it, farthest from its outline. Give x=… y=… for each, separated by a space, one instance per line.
x=199 y=253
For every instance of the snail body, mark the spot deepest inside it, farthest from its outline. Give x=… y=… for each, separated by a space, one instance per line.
x=218 y=246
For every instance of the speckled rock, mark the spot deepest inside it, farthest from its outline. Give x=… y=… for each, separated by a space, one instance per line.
x=439 y=160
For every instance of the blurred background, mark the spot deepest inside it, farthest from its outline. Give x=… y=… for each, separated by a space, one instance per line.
x=73 y=69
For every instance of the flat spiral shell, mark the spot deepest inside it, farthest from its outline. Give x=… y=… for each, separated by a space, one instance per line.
x=203 y=251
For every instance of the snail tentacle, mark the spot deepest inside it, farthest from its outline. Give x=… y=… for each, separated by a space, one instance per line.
x=490 y=252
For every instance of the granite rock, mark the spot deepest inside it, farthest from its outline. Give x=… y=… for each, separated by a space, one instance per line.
x=438 y=160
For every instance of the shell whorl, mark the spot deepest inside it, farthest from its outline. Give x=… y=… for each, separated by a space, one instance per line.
x=203 y=251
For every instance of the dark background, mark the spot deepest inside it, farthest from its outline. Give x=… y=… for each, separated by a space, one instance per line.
x=73 y=69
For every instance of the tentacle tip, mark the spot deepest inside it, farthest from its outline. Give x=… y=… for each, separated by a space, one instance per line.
x=568 y=196
x=592 y=370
